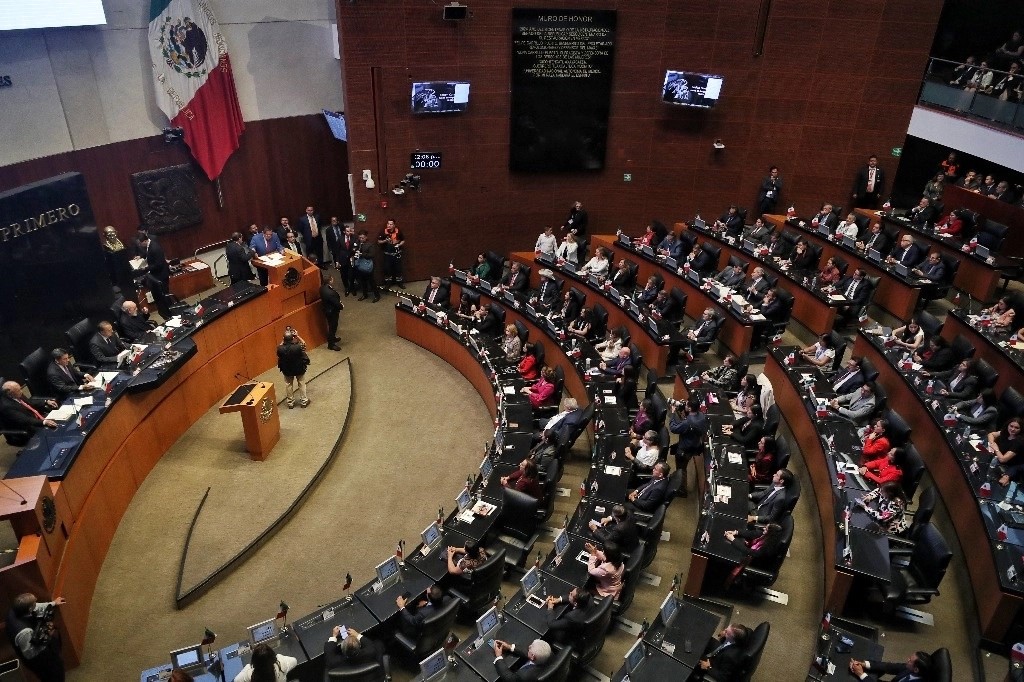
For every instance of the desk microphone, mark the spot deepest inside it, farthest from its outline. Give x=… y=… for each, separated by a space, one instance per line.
x=23 y=500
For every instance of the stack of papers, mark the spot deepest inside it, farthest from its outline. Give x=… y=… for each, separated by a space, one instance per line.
x=272 y=258
x=198 y=265
x=735 y=457
x=613 y=471
x=483 y=508
x=63 y=413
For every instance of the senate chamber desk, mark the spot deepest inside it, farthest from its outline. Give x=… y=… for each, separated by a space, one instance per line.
x=994 y=346
x=975 y=275
x=736 y=332
x=128 y=437
x=998 y=599
x=654 y=348
x=1001 y=212
x=811 y=308
x=895 y=294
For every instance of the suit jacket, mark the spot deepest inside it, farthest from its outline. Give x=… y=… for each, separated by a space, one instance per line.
x=650 y=495
x=934 y=272
x=909 y=256
x=547 y=294
x=647 y=295
x=157 y=262
x=62 y=384
x=528 y=672
x=861 y=290
x=731 y=276
x=616 y=366
x=14 y=415
x=780 y=248
x=579 y=221
x=412 y=618
x=104 y=350
x=966 y=388
x=306 y=231
x=442 y=296
x=966 y=410
x=755 y=290
x=674 y=248
x=769 y=504
x=725 y=665
x=369 y=650
x=259 y=244
x=515 y=281
x=830 y=221
x=691 y=429
x=856 y=406
x=564 y=628
x=879 y=242
x=848 y=381
x=899 y=671
x=769 y=185
x=330 y=299
x=668 y=309
x=238 y=262
x=705 y=330
x=703 y=261
x=919 y=215
x=941 y=360
x=133 y=328
x=569 y=422
x=624 y=534
x=773 y=311
x=733 y=224
x=860 y=185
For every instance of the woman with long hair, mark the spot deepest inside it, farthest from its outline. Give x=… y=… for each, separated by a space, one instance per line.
x=266 y=666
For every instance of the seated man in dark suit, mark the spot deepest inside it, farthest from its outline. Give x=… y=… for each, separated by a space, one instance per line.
x=352 y=652
x=917 y=667
x=547 y=293
x=856 y=290
x=768 y=505
x=618 y=527
x=849 y=378
x=436 y=293
x=133 y=323
x=923 y=213
x=412 y=619
x=779 y=247
x=647 y=295
x=516 y=280
x=565 y=628
x=670 y=247
x=874 y=239
x=724 y=655
x=700 y=259
x=825 y=217
x=906 y=252
x=650 y=495
x=537 y=656
x=617 y=366
x=105 y=346
x=731 y=222
x=665 y=307
x=19 y=413
x=754 y=290
x=65 y=378
x=931 y=269
x=772 y=307
x=566 y=420
x=702 y=332
x=731 y=276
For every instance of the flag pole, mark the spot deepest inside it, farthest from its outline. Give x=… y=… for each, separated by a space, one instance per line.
x=220 y=192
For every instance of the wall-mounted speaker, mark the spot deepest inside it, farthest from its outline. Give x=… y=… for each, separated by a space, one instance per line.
x=455 y=12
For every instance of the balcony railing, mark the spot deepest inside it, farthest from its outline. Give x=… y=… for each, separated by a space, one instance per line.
x=944 y=86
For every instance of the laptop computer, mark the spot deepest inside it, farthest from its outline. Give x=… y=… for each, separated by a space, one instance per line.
x=634 y=308
x=699 y=223
x=460 y=274
x=561 y=543
x=668 y=609
x=545 y=259
x=485 y=285
x=487 y=625
x=188 y=658
x=693 y=276
x=405 y=301
x=264 y=632
x=749 y=245
x=648 y=250
x=625 y=240
x=388 y=573
x=434 y=666
x=982 y=251
x=509 y=296
x=531 y=586
x=431 y=537
x=530 y=310
x=652 y=324
x=849 y=242
x=738 y=305
x=823 y=229
x=486 y=467
x=552 y=326
x=614 y=294
x=464 y=500
x=901 y=269
x=635 y=656
x=875 y=255
x=594 y=279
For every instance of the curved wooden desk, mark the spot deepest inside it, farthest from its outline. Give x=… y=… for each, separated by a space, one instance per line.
x=735 y=334
x=997 y=608
x=1011 y=373
x=137 y=429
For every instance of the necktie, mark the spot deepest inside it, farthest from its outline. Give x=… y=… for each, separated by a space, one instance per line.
x=31 y=409
x=432 y=292
x=906 y=252
x=850 y=289
x=977 y=409
x=768 y=497
x=267 y=241
x=956 y=381
x=718 y=649
x=871 y=180
x=313 y=230
x=68 y=372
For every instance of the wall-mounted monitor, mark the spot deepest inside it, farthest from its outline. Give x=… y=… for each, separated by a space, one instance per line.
x=439 y=97
x=690 y=89
x=18 y=14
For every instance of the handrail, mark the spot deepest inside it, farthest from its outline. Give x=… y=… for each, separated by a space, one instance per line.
x=943 y=87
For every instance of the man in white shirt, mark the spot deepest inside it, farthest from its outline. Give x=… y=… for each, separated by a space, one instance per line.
x=646 y=453
x=546 y=243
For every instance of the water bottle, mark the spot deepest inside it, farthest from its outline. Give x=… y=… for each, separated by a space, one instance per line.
x=593 y=488
x=814 y=282
x=588 y=364
x=967 y=432
x=930 y=388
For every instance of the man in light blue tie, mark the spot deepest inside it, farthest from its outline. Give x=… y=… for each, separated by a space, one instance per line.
x=537 y=656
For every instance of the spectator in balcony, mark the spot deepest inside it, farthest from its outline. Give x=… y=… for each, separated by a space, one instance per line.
x=950 y=167
x=971 y=181
x=988 y=186
x=963 y=73
x=1003 y=192
x=981 y=81
x=1006 y=87
x=934 y=188
x=1010 y=51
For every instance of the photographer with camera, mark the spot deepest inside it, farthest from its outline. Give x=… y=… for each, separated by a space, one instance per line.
x=691 y=425
x=293 y=361
x=35 y=639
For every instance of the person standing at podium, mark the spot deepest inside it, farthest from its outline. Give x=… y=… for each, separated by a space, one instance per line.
x=293 y=361
x=238 y=255
x=262 y=244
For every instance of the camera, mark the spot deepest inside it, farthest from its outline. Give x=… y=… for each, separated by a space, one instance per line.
x=676 y=404
x=42 y=630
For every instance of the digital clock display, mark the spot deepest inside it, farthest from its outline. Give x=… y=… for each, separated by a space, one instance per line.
x=420 y=160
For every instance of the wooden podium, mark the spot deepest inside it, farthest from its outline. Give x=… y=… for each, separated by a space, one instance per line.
x=260 y=419
x=278 y=272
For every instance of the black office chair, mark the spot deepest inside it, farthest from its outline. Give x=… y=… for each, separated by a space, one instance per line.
x=498 y=312
x=624 y=335
x=987 y=375
x=792 y=497
x=652 y=383
x=370 y=671
x=598 y=323
x=659 y=410
x=815 y=252
x=497 y=262
x=753 y=648
x=586 y=418
x=919 y=581
x=962 y=348
x=764 y=574
x=550 y=487
x=715 y=253
x=940 y=289
x=782 y=453
x=942 y=667
x=476 y=589
x=863 y=224
x=839 y=344
x=537 y=348
x=115 y=307
x=592 y=634
x=517 y=529
x=77 y=339
x=578 y=296
x=630 y=579
x=771 y=420
x=521 y=331
x=840 y=264
x=930 y=325
x=913 y=470
x=881 y=399
x=679 y=296
x=675 y=484
x=1011 y=404
x=923 y=512
x=558 y=666
x=432 y=634
x=868 y=369
x=737 y=262
x=898 y=430
x=992 y=235
x=636 y=358
x=650 y=533
x=33 y=368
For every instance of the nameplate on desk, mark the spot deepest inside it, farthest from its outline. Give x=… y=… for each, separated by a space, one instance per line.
x=613 y=470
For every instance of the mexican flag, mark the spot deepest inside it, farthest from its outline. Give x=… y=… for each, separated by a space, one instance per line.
x=194 y=85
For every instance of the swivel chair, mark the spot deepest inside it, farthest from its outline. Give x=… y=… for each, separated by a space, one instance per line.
x=370 y=671
x=592 y=634
x=476 y=588
x=558 y=666
x=517 y=528
x=432 y=634
x=33 y=368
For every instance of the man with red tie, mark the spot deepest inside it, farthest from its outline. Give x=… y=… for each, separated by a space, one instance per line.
x=24 y=414
x=436 y=294
x=341 y=240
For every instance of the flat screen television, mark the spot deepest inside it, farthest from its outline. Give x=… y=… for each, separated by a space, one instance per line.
x=439 y=97
x=689 y=89
x=336 y=122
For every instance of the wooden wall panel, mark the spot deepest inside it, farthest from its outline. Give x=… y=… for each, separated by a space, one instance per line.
x=282 y=166
x=837 y=82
